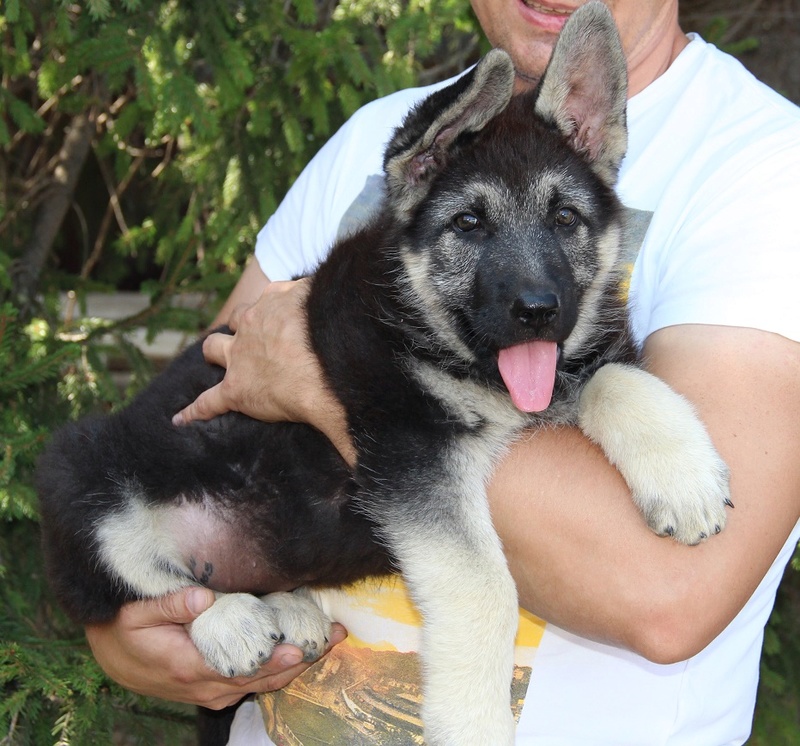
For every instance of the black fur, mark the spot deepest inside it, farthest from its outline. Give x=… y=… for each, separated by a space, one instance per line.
x=290 y=488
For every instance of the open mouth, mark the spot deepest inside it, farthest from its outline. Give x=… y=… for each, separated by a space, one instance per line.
x=546 y=16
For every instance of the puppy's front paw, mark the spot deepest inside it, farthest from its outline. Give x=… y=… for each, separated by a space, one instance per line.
x=692 y=508
x=237 y=634
x=660 y=446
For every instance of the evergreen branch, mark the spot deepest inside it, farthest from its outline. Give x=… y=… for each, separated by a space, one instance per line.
x=51 y=103
x=37 y=371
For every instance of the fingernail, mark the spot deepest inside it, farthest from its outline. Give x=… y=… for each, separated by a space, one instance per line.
x=177 y=420
x=338 y=634
x=197 y=601
x=291 y=659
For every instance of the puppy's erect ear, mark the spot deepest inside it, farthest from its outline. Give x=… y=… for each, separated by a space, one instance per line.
x=420 y=147
x=584 y=89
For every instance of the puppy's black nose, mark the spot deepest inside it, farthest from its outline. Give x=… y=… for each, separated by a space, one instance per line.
x=535 y=308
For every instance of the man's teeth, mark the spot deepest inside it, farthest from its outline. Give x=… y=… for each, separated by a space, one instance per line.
x=543 y=9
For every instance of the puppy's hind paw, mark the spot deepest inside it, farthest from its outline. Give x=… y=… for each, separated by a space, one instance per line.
x=236 y=635
x=302 y=622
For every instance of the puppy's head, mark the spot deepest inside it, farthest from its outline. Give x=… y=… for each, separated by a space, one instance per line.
x=511 y=226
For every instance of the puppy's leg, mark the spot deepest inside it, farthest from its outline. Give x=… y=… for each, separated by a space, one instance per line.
x=453 y=563
x=138 y=546
x=661 y=448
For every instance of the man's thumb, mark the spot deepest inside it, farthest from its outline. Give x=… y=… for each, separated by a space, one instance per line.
x=186 y=605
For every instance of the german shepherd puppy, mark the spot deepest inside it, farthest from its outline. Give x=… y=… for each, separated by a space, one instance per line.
x=481 y=300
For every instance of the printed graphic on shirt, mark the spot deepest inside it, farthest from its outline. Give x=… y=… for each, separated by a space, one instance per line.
x=636 y=224
x=368 y=689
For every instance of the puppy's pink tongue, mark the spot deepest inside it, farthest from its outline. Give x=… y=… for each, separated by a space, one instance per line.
x=529 y=373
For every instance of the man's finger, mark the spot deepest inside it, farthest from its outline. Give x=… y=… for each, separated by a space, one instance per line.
x=211 y=403
x=181 y=607
x=236 y=314
x=216 y=347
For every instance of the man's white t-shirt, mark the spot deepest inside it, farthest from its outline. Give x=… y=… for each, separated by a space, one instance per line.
x=713 y=166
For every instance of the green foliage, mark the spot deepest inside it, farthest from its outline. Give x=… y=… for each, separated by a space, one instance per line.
x=777 y=720
x=717 y=33
x=196 y=119
x=29 y=360
x=201 y=115
x=53 y=692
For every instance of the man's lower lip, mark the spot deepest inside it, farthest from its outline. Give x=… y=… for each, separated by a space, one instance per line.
x=546 y=18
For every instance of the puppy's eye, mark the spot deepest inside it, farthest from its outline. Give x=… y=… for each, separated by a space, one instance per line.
x=465 y=222
x=566 y=217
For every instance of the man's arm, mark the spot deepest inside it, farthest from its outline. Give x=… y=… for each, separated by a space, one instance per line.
x=584 y=558
x=251 y=284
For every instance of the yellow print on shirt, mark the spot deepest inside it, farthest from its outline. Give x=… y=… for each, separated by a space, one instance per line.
x=367 y=690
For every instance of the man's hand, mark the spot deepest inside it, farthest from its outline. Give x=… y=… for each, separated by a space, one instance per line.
x=263 y=358
x=147 y=649
x=271 y=372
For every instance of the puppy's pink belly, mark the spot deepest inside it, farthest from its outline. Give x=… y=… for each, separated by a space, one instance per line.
x=217 y=553
x=220 y=569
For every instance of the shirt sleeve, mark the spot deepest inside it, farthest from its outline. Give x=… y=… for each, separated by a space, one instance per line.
x=733 y=257
x=303 y=228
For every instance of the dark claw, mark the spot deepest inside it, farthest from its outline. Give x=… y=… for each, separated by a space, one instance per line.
x=669 y=531
x=703 y=535
x=729 y=503
x=717 y=528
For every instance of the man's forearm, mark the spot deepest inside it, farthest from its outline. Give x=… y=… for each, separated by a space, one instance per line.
x=580 y=551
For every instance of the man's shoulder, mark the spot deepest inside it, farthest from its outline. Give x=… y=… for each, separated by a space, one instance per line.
x=708 y=123
x=738 y=94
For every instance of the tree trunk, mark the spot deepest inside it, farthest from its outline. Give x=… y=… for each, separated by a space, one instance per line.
x=69 y=164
